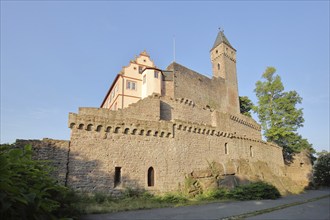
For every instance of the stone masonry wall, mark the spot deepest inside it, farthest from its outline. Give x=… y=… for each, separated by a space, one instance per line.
x=93 y=158
x=203 y=90
x=54 y=151
x=187 y=110
x=239 y=124
x=102 y=141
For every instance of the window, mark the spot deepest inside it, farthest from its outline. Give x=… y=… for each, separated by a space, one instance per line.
x=116 y=88
x=151 y=176
x=226 y=148
x=156 y=74
x=216 y=51
x=251 y=151
x=117 y=176
x=140 y=69
x=218 y=66
x=130 y=85
x=144 y=79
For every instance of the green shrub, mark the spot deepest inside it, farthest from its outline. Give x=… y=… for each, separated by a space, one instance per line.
x=213 y=194
x=219 y=193
x=27 y=191
x=100 y=197
x=132 y=193
x=254 y=191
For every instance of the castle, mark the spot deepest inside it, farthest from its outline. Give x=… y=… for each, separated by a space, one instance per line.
x=156 y=128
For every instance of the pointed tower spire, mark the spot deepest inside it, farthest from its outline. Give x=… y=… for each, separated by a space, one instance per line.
x=223 y=58
x=221 y=38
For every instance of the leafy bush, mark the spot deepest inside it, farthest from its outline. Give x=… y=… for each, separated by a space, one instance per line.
x=220 y=193
x=254 y=191
x=131 y=193
x=321 y=175
x=99 y=197
x=27 y=191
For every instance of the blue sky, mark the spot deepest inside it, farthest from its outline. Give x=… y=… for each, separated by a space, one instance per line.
x=57 y=56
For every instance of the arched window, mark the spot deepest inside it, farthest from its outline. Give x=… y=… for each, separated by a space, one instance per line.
x=218 y=66
x=251 y=151
x=151 y=176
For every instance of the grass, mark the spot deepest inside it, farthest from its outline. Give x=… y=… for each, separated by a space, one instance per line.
x=134 y=199
x=92 y=204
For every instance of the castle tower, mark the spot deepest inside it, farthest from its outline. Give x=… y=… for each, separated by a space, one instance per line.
x=223 y=58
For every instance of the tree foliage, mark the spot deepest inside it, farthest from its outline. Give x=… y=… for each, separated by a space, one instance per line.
x=245 y=105
x=321 y=175
x=27 y=191
x=278 y=113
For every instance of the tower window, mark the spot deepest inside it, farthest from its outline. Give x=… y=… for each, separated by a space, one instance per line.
x=151 y=176
x=218 y=66
x=216 y=51
x=140 y=69
x=117 y=176
x=156 y=74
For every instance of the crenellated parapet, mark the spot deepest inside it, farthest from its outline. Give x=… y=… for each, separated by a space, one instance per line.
x=236 y=136
x=244 y=120
x=201 y=129
x=126 y=126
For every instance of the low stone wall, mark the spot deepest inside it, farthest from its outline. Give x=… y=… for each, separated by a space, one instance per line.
x=54 y=151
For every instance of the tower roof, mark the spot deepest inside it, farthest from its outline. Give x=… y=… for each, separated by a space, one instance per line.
x=221 y=38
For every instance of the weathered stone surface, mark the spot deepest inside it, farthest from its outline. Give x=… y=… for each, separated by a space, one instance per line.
x=228 y=182
x=202 y=174
x=208 y=183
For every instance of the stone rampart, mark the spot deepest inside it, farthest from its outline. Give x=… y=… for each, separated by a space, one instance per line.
x=237 y=124
x=173 y=148
x=184 y=109
x=56 y=152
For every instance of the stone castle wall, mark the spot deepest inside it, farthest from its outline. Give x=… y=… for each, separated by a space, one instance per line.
x=174 y=146
x=201 y=89
x=94 y=156
x=175 y=137
x=56 y=152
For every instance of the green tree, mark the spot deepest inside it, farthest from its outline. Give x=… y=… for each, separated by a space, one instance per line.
x=245 y=105
x=278 y=113
x=321 y=175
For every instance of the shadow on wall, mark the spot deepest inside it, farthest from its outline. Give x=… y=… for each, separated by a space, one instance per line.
x=165 y=111
x=78 y=173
